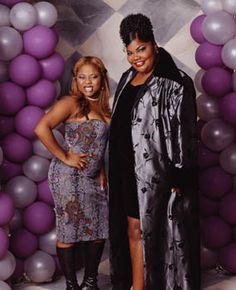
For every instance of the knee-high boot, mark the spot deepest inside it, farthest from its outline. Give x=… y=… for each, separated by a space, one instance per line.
x=66 y=258
x=93 y=256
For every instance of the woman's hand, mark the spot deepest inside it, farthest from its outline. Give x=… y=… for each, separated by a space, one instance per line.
x=177 y=190
x=103 y=180
x=75 y=160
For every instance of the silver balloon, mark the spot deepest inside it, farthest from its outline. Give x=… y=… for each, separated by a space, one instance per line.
x=207 y=107
x=40 y=267
x=1 y=156
x=4 y=15
x=210 y=6
x=228 y=54
x=4 y=71
x=41 y=150
x=17 y=221
x=47 y=242
x=4 y=286
x=11 y=43
x=228 y=159
x=23 y=16
x=47 y=13
x=198 y=80
x=229 y=6
x=7 y=266
x=219 y=27
x=36 y=168
x=22 y=190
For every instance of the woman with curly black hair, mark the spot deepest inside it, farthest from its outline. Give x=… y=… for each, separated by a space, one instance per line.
x=152 y=169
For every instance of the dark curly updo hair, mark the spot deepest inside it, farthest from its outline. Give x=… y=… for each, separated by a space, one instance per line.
x=136 y=26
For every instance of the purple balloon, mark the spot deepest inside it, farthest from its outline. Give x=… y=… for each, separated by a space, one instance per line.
x=9 y=169
x=228 y=159
x=17 y=221
x=41 y=94
x=214 y=182
x=27 y=119
x=208 y=55
x=4 y=243
x=217 y=82
x=23 y=243
x=16 y=148
x=12 y=98
x=196 y=29
x=6 y=125
x=10 y=3
x=53 y=67
x=227 y=208
x=44 y=193
x=207 y=107
x=39 y=218
x=228 y=108
x=200 y=125
x=7 y=208
x=206 y=157
x=227 y=257
x=215 y=232
x=208 y=207
x=40 y=41
x=19 y=270
x=24 y=70
x=208 y=259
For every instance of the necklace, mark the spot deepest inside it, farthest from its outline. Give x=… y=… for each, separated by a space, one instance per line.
x=92 y=99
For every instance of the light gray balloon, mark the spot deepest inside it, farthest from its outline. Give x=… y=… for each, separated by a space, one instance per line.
x=16 y=221
x=47 y=13
x=22 y=190
x=47 y=242
x=228 y=53
x=229 y=6
x=219 y=27
x=211 y=6
x=228 y=159
x=4 y=71
x=36 y=168
x=40 y=267
x=23 y=16
x=7 y=266
x=11 y=43
x=207 y=107
x=41 y=150
x=198 y=80
x=4 y=286
x=4 y=15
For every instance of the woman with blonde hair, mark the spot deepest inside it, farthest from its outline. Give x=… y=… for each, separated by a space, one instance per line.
x=76 y=174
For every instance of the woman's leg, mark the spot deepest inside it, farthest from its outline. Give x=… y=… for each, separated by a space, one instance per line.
x=66 y=256
x=136 y=253
x=93 y=254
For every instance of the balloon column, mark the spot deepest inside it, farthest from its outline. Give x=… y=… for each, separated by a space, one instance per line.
x=215 y=32
x=29 y=70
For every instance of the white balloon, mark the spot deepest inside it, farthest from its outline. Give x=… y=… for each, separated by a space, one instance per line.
x=210 y=6
x=36 y=168
x=47 y=242
x=228 y=54
x=4 y=286
x=4 y=15
x=229 y=6
x=7 y=266
x=23 y=16
x=47 y=13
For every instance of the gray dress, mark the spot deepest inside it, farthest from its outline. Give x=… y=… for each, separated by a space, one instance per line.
x=81 y=205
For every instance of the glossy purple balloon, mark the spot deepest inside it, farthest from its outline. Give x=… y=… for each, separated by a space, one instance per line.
x=227 y=257
x=208 y=259
x=24 y=70
x=39 y=218
x=4 y=243
x=196 y=29
x=215 y=232
x=12 y=98
x=208 y=55
x=27 y=119
x=217 y=134
x=227 y=208
x=228 y=159
x=227 y=107
x=16 y=148
x=53 y=66
x=44 y=193
x=208 y=207
x=7 y=125
x=207 y=107
x=23 y=243
x=206 y=157
x=217 y=82
x=40 y=41
x=16 y=221
x=41 y=94
x=200 y=125
x=7 y=208
x=214 y=182
x=9 y=169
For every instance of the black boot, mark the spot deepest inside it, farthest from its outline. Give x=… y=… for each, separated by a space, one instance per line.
x=66 y=258
x=93 y=256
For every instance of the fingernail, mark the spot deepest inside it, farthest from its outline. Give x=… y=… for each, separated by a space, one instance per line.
x=102 y=188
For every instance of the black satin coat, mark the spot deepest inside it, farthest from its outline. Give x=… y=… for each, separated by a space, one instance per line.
x=164 y=142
